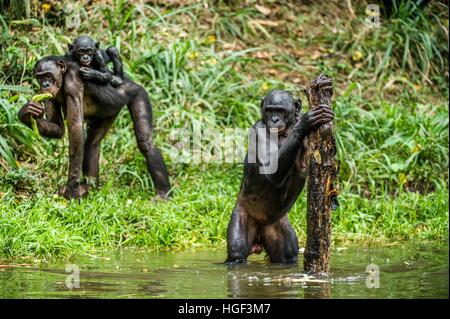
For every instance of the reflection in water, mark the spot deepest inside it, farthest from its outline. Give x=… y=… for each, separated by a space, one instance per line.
x=245 y=281
x=405 y=272
x=321 y=290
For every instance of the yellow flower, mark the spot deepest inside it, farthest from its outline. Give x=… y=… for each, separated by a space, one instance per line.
x=265 y=86
x=357 y=56
x=46 y=7
x=193 y=55
x=402 y=178
x=416 y=148
x=211 y=39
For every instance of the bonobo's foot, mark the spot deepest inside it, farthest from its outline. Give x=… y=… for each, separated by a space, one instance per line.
x=112 y=51
x=78 y=192
x=161 y=196
x=116 y=81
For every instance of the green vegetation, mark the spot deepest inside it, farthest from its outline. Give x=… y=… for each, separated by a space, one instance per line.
x=210 y=64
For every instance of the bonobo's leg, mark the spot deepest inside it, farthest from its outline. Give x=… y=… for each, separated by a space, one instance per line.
x=280 y=241
x=114 y=56
x=96 y=131
x=241 y=235
x=141 y=113
x=116 y=60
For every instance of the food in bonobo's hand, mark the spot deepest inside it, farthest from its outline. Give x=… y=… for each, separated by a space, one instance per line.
x=39 y=98
x=42 y=97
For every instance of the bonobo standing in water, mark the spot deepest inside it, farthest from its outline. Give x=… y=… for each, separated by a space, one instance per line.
x=259 y=219
x=86 y=51
x=98 y=105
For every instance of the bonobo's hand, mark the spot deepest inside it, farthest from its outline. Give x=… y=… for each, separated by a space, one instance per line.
x=87 y=73
x=323 y=84
x=30 y=109
x=116 y=81
x=320 y=115
x=73 y=193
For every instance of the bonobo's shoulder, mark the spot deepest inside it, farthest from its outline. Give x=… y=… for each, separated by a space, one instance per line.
x=73 y=83
x=72 y=66
x=72 y=71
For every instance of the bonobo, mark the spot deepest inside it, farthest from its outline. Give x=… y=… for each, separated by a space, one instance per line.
x=87 y=52
x=259 y=220
x=98 y=105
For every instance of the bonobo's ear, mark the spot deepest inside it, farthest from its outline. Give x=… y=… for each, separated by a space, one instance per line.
x=298 y=105
x=70 y=47
x=61 y=65
x=97 y=45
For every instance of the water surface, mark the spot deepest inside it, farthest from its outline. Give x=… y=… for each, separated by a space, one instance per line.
x=405 y=271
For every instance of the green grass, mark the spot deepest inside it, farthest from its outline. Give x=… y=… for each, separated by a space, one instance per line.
x=210 y=66
x=118 y=215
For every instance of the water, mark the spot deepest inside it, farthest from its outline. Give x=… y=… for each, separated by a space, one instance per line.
x=405 y=271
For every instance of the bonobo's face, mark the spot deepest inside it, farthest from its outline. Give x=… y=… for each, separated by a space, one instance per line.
x=49 y=74
x=84 y=48
x=276 y=118
x=278 y=111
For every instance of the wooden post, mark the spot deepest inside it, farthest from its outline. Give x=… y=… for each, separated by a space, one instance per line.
x=322 y=170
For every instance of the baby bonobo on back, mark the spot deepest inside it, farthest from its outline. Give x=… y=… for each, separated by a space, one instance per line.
x=93 y=61
x=259 y=220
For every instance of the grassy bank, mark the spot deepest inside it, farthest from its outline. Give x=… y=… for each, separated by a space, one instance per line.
x=210 y=65
x=119 y=216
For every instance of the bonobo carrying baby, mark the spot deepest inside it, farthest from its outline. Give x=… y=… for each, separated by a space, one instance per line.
x=90 y=109
x=271 y=184
x=93 y=61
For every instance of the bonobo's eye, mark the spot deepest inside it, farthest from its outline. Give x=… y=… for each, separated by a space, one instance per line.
x=46 y=79
x=80 y=52
x=89 y=51
x=284 y=113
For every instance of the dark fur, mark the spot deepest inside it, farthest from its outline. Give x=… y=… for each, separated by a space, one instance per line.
x=259 y=219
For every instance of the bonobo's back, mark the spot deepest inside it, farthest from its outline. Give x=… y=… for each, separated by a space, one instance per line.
x=109 y=98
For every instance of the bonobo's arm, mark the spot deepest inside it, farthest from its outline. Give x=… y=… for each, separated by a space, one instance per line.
x=114 y=56
x=293 y=144
x=95 y=75
x=287 y=153
x=52 y=126
x=100 y=73
x=100 y=61
x=73 y=88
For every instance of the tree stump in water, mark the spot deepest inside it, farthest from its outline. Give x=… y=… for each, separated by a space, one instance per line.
x=322 y=170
